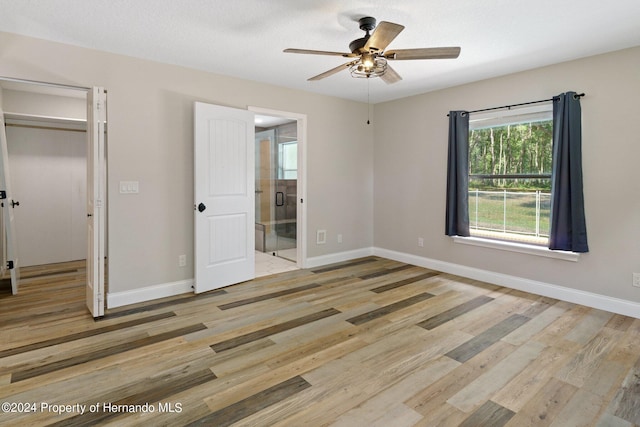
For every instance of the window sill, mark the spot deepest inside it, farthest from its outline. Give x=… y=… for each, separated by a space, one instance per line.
x=517 y=247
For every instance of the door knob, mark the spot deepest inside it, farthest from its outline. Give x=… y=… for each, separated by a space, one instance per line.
x=201 y=207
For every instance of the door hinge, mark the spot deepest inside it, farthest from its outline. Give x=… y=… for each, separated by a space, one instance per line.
x=3 y=194
x=10 y=265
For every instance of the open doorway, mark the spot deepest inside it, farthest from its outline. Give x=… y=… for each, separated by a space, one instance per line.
x=48 y=156
x=278 y=186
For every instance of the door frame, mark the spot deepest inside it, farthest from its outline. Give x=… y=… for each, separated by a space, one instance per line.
x=102 y=177
x=301 y=205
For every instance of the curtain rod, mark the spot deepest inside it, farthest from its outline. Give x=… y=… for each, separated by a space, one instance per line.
x=576 y=96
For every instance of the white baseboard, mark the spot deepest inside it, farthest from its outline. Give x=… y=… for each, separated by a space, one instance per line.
x=148 y=293
x=589 y=299
x=337 y=257
x=119 y=299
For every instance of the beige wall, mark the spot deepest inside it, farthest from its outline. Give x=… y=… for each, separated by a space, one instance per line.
x=150 y=140
x=410 y=172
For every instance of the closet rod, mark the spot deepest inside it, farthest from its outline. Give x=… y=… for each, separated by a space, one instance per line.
x=44 y=127
x=35 y=82
x=576 y=96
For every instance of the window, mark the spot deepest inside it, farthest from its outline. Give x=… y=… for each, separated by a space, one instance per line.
x=510 y=161
x=288 y=160
x=517 y=163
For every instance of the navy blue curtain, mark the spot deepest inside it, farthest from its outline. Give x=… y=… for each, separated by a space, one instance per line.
x=568 y=226
x=457 y=217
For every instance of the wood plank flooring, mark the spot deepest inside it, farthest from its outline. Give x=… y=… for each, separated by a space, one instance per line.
x=371 y=342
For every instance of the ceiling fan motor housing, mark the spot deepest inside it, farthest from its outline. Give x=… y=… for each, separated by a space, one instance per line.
x=366 y=24
x=357 y=45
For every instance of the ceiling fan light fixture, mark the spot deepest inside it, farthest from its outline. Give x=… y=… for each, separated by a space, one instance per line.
x=369 y=56
x=369 y=66
x=367 y=60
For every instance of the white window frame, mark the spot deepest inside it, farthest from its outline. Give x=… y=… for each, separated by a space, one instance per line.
x=282 y=162
x=505 y=245
x=503 y=117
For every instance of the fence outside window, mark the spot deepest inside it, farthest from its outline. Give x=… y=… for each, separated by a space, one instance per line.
x=524 y=213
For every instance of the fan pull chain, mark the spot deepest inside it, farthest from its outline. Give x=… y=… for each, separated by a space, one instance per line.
x=368 y=101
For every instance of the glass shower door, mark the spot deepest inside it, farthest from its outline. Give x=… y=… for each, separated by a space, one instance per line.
x=286 y=186
x=276 y=191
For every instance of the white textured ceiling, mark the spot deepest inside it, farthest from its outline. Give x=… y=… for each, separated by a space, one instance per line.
x=245 y=38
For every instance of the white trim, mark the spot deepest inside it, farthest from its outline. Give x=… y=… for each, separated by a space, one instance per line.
x=517 y=247
x=589 y=299
x=148 y=293
x=338 y=257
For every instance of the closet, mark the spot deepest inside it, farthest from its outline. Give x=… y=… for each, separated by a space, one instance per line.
x=47 y=155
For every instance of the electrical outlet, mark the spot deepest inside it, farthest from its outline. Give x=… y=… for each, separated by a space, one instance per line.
x=321 y=237
x=339 y=238
x=636 y=280
x=182 y=261
x=421 y=242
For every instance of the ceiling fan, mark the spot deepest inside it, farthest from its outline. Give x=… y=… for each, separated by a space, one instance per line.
x=370 y=57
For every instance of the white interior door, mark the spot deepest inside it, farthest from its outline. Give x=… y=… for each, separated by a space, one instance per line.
x=96 y=175
x=8 y=235
x=224 y=196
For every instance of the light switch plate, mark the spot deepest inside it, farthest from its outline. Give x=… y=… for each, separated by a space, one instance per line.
x=129 y=187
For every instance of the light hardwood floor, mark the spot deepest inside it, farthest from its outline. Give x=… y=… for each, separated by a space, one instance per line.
x=370 y=342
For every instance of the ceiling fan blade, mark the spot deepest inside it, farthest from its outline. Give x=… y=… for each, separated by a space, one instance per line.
x=390 y=76
x=384 y=34
x=319 y=52
x=333 y=71
x=424 y=53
